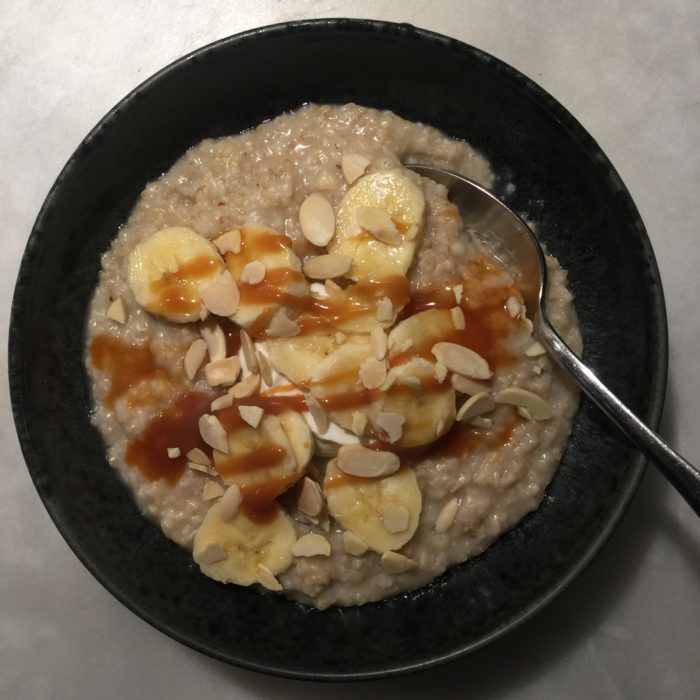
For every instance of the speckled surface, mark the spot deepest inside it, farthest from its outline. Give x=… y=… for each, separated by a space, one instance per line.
x=628 y=627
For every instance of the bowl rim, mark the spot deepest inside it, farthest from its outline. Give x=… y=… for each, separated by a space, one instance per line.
x=657 y=385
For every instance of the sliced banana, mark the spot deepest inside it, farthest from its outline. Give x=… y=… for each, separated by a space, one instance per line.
x=246 y=544
x=169 y=270
x=359 y=505
x=429 y=409
x=283 y=284
x=389 y=191
x=296 y=358
x=416 y=335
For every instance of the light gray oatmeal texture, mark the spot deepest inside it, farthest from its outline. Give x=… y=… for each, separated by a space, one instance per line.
x=263 y=176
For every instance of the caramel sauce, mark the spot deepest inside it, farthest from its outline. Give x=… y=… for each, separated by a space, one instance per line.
x=272 y=288
x=127 y=365
x=262 y=457
x=230 y=417
x=260 y=500
x=232 y=333
x=176 y=426
x=343 y=479
x=177 y=292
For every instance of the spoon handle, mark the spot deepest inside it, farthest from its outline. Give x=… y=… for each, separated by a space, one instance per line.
x=683 y=475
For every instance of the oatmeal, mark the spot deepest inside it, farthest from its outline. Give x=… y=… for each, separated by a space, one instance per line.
x=309 y=374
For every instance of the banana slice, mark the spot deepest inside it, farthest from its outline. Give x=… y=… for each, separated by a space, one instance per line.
x=296 y=358
x=429 y=408
x=382 y=512
x=168 y=271
x=281 y=286
x=370 y=199
x=416 y=335
x=242 y=544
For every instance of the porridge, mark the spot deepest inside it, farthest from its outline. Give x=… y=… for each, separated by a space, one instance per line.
x=309 y=374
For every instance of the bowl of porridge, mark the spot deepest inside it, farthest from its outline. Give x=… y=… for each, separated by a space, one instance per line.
x=282 y=404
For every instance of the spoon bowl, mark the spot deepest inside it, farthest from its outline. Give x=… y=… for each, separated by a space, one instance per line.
x=514 y=245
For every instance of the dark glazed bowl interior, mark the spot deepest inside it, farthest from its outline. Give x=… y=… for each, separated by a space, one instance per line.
x=563 y=182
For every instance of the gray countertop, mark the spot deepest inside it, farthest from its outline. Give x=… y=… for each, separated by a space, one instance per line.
x=630 y=72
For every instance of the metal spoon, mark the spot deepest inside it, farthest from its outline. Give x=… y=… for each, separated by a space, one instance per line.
x=511 y=241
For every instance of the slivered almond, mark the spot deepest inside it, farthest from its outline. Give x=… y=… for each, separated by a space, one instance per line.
x=513 y=307
x=249 y=354
x=411 y=382
x=340 y=337
x=311 y=545
x=317 y=413
x=332 y=288
x=173 y=452
x=281 y=326
x=229 y=242
x=201 y=468
x=475 y=406
x=361 y=461
x=372 y=373
x=353 y=166
x=252 y=415
x=524 y=413
x=246 y=387
x=230 y=503
x=359 y=423
x=461 y=360
x=391 y=424
x=379 y=223
x=198 y=456
x=537 y=406
x=378 y=342
x=212 y=554
x=212 y=490
x=254 y=272
x=267 y=579
x=221 y=297
x=458 y=318
x=265 y=368
x=317 y=220
x=116 y=311
x=463 y=385
x=221 y=402
x=215 y=339
x=481 y=422
x=536 y=350
x=213 y=432
x=458 y=290
x=440 y=371
x=390 y=381
x=310 y=499
x=395 y=563
x=446 y=516
x=403 y=347
x=194 y=357
x=222 y=372
x=323 y=267
x=385 y=310
x=395 y=518
x=353 y=545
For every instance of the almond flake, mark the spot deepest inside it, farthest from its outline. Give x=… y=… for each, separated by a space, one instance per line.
x=359 y=423
x=391 y=424
x=440 y=371
x=411 y=382
x=458 y=290
x=310 y=500
x=252 y=415
x=372 y=373
x=254 y=272
x=353 y=166
x=481 y=422
x=353 y=545
x=340 y=337
x=201 y=468
x=395 y=563
x=332 y=288
x=317 y=413
x=249 y=355
x=461 y=360
x=361 y=461
x=322 y=267
x=246 y=387
x=281 y=326
x=390 y=381
x=221 y=402
x=267 y=579
x=475 y=406
x=463 y=385
x=265 y=368
x=311 y=545
x=524 y=413
x=211 y=554
x=385 y=310
x=378 y=342
x=514 y=396
x=317 y=220
x=229 y=242
x=535 y=350
x=216 y=341
x=446 y=516
x=198 y=456
x=173 y=452
x=221 y=297
x=223 y=372
x=395 y=518
x=230 y=503
x=194 y=357
x=116 y=311
x=458 y=318
x=213 y=433
x=528 y=325
x=513 y=307
x=379 y=223
x=212 y=490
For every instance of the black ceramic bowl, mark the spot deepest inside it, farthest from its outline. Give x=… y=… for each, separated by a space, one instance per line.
x=562 y=181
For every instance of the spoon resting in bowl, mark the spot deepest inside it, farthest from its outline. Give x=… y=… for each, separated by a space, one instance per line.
x=514 y=245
